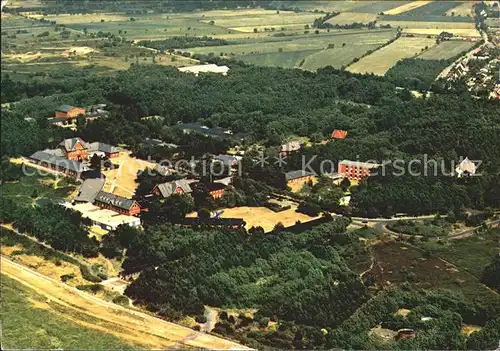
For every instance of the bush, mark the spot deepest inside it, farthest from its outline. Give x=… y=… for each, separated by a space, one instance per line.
x=92 y=288
x=309 y=209
x=263 y=322
x=88 y=275
x=121 y=300
x=67 y=277
x=200 y=319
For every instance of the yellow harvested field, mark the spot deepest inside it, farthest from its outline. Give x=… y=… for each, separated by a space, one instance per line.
x=121 y=181
x=263 y=217
x=277 y=27
x=462 y=32
x=382 y=60
x=84 y=18
x=351 y=17
x=406 y=7
x=443 y=26
x=465 y=9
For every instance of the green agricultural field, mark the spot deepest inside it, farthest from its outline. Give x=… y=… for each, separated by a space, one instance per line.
x=351 y=17
x=383 y=59
x=336 y=57
x=313 y=42
x=327 y=6
x=378 y=6
x=435 y=8
x=30 y=322
x=264 y=20
x=446 y=50
x=424 y=18
x=278 y=59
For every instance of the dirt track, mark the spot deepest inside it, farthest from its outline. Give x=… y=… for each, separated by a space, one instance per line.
x=140 y=328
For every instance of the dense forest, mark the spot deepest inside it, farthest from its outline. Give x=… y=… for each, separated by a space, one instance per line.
x=415 y=73
x=270 y=105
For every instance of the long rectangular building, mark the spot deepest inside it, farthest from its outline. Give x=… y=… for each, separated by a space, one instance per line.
x=61 y=164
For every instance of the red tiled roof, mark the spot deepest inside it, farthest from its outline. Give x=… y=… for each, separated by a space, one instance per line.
x=339 y=134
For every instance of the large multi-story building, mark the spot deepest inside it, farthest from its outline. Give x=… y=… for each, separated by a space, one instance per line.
x=355 y=170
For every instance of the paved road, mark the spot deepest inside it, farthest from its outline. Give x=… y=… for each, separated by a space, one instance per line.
x=133 y=326
x=382 y=226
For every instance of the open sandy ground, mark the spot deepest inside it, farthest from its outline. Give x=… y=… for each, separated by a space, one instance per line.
x=134 y=326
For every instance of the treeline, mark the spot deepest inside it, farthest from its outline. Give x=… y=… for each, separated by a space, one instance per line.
x=182 y=43
x=52 y=224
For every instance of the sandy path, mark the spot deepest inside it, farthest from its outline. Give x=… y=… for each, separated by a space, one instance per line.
x=136 y=327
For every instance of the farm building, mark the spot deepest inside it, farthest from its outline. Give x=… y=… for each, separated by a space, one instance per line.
x=74 y=149
x=216 y=190
x=106 y=219
x=339 y=134
x=228 y=160
x=169 y=188
x=466 y=167
x=109 y=151
x=290 y=147
x=89 y=190
x=298 y=177
x=356 y=170
x=50 y=159
x=210 y=68
x=67 y=111
x=117 y=203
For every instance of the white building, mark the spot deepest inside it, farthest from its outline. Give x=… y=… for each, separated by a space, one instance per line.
x=209 y=68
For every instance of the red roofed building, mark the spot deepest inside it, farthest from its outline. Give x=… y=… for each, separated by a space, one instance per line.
x=339 y=134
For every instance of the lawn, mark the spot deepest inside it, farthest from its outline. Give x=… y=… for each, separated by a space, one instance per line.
x=34 y=187
x=383 y=59
x=31 y=322
x=446 y=50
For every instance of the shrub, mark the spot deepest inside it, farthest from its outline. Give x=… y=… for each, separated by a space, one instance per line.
x=92 y=288
x=121 y=300
x=67 y=277
x=200 y=319
x=88 y=275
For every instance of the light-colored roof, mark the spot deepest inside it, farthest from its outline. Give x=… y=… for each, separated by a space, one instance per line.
x=59 y=162
x=169 y=188
x=291 y=146
x=65 y=108
x=297 y=174
x=359 y=164
x=103 y=147
x=466 y=166
x=210 y=68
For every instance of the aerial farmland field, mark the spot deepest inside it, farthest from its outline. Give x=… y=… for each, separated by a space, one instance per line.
x=465 y=9
x=433 y=8
x=446 y=50
x=381 y=60
x=351 y=17
x=378 y=6
x=347 y=44
x=406 y=7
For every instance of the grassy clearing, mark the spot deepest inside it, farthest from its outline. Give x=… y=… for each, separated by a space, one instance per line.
x=351 y=17
x=433 y=8
x=283 y=18
x=398 y=262
x=471 y=254
x=30 y=321
x=32 y=188
x=425 y=228
x=381 y=60
x=446 y=50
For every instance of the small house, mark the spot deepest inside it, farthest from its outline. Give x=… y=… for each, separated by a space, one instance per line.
x=339 y=134
x=298 y=177
x=169 y=188
x=290 y=147
x=68 y=111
